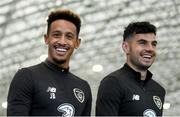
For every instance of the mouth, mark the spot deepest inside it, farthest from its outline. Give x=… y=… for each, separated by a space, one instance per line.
x=61 y=50
x=147 y=56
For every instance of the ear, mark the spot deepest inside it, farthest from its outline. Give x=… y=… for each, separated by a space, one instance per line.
x=125 y=46
x=78 y=42
x=46 y=39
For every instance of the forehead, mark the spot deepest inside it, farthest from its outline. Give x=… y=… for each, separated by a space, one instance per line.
x=63 y=25
x=146 y=36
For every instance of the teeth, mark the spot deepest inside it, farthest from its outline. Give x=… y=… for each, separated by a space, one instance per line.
x=147 y=56
x=61 y=49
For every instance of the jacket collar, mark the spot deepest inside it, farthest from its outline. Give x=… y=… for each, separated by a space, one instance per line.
x=137 y=75
x=55 y=67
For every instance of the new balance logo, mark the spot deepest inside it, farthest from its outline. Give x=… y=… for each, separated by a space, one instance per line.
x=52 y=92
x=135 y=97
x=51 y=89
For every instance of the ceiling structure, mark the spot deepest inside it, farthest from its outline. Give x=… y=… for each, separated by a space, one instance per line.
x=23 y=23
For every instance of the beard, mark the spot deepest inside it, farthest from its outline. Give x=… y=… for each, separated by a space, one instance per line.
x=138 y=64
x=137 y=59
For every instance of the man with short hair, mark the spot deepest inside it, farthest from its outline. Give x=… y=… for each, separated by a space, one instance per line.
x=49 y=89
x=131 y=91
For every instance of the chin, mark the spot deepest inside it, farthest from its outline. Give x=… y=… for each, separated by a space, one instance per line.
x=146 y=66
x=59 y=61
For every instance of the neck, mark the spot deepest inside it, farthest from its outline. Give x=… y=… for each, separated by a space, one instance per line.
x=64 y=65
x=143 y=75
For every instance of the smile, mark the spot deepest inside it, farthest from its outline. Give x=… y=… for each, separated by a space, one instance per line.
x=61 y=49
x=147 y=56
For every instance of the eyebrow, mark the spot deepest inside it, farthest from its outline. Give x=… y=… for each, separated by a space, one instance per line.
x=146 y=41
x=56 y=31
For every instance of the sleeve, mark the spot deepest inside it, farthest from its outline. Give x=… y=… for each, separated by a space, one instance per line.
x=87 y=110
x=109 y=97
x=20 y=94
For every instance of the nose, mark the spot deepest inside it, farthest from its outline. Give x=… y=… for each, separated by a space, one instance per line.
x=62 y=40
x=150 y=47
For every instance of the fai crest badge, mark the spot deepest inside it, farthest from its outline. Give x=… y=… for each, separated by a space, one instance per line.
x=157 y=101
x=79 y=94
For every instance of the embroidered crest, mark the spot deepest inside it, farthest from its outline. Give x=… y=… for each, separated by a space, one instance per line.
x=157 y=101
x=79 y=94
x=67 y=110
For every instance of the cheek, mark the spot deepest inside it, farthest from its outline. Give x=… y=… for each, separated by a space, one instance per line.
x=52 y=41
x=72 y=44
x=155 y=53
x=135 y=51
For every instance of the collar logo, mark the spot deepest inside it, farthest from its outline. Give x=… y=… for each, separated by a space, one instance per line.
x=79 y=94
x=157 y=101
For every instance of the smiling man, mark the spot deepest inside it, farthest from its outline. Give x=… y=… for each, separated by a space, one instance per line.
x=49 y=89
x=131 y=91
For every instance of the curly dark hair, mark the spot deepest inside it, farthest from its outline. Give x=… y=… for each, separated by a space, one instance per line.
x=138 y=28
x=65 y=14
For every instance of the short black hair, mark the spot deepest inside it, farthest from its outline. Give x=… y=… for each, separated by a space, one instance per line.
x=138 y=28
x=65 y=14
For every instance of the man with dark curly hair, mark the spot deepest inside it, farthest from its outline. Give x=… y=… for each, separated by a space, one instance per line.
x=49 y=89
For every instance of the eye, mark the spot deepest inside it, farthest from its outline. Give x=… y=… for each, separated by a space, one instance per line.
x=56 y=35
x=154 y=43
x=69 y=36
x=142 y=42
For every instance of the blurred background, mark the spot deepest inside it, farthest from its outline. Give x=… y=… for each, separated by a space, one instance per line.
x=23 y=23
